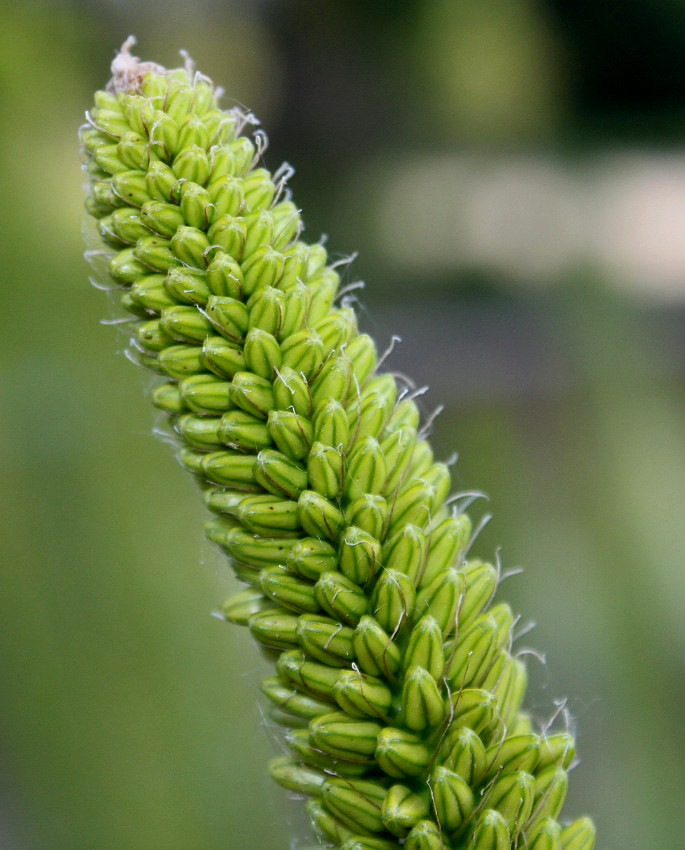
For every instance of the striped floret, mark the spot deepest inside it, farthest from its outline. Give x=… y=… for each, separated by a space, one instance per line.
x=394 y=670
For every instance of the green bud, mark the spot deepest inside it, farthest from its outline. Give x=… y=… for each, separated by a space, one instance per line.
x=263 y=267
x=345 y=737
x=425 y=835
x=447 y=539
x=268 y=515
x=180 y=361
x=551 y=787
x=421 y=459
x=240 y=430
x=481 y=582
x=323 y=288
x=361 y=352
x=402 y=809
x=206 y=395
x=167 y=397
x=357 y=803
x=370 y=412
x=341 y=598
x=125 y=268
x=375 y=652
x=229 y=316
x=128 y=304
x=558 y=750
x=544 y=835
x=370 y=513
x=504 y=619
x=109 y=160
x=252 y=394
x=225 y=278
x=202 y=433
x=192 y=164
x=366 y=469
x=256 y=552
x=330 y=425
x=397 y=448
x=109 y=236
x=231 y=469
x=291 y=392
x=510 y=701
x=187 y=287
x=298 y=741
x=243 y=152
x=400 y=753
x=463 y=752
x=131 y=187
x=473 y=708
x=287 y=222
x=412 y=506
x=393 y=601
x=163 y=134
x=512 y=796
x=259 y=189
x=452 y=797
x=490 y=832
x=332 y=381
x=422 y=704
x=359 y=555
x=325 y=640
x=516 y=752
x=155 y=253
x=159 y=181
x=297 y=301
x=292 y=434
x=262 y=353
x=303 y=352
x=310 y=558
x=405 y=551
x=279 y=475
x=290 y=699
x=221 y=501
x=288 y=590
x=241 y=607
x=316 y=679
x=364 y=842
x=274 y=628
x=161 y=217
x=473 y=653
x=266 y=308
x=325 y=470
x=580 y=835
x=185 y=324
x=424 y=648
x=259 y=231
x=290 y=774
x=102 y=200
x=226 y=194
x=229 y=234
x=441 y=599
x=128 y=225
x=192 y=131
x=362 y=696
x=329 y=826
x=319 y=517
x=191 y=246
x=195 y=205
x=336 y=328
x=133 y=106
x=150 y=292
x=222 y=357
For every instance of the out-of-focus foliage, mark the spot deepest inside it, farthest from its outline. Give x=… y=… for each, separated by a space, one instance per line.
x=129 y=715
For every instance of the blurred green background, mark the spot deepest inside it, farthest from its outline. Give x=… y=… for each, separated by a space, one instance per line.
x=513 y=175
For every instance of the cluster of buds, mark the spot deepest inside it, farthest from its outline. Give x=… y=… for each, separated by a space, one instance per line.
x=394 y=671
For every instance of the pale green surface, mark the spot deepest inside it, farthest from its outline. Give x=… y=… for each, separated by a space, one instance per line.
x=129 y=715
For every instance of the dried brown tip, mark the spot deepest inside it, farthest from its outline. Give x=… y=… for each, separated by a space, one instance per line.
x=128 y=71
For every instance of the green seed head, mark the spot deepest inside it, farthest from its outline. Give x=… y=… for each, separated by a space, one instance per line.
x=395 y=674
